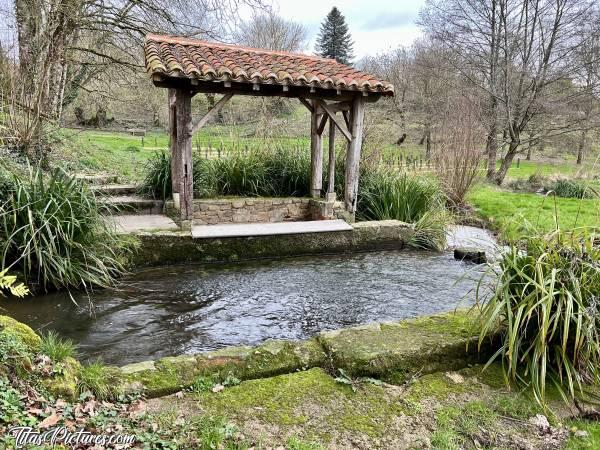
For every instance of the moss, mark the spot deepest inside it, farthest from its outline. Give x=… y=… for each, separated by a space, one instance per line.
x=171 y=374
x=294 y=399
x=436 y=385
x=395 y=350
x=10 y=326
x=63 y=384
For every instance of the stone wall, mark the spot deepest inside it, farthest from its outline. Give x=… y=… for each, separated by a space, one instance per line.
x=261 y=210
x=179 y=247
x=251 y=210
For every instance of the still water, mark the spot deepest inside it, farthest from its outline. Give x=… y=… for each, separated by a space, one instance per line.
x=175 y=310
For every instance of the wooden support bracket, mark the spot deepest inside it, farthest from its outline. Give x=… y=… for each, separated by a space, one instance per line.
x=211 y=113
x=335 y=120
x=306 y=103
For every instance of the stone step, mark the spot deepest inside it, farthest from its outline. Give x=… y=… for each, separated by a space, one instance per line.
x=268 y=229
x=132 y=205
x=115 y=189
x=98 y=178
x=143 y=222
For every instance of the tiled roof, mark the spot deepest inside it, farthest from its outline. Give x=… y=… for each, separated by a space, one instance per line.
x=207 y=61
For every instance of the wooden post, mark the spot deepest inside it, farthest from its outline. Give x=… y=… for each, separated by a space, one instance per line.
x=331 y=163
x=173 y=147
x=316 y=152
x=183 y=103
x=353 y=154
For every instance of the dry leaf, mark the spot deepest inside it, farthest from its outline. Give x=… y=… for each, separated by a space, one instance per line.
x=218 y=388
x=50 y=421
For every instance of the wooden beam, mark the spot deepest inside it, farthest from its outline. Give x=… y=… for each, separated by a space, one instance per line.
x=353 y=154
x=183 y=104
x=322 y=124
x=306 y=103
x=173 y=146
x=211 y=113
x=331 y=163
x=266 y=90
x=335 y=120
x=316 y=153
x=339 y=106
x=347 y=118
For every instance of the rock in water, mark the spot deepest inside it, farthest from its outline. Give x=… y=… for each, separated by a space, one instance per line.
x=473 y=255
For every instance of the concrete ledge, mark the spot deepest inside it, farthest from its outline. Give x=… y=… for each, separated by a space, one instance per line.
x=179 y=248
x=389 y=351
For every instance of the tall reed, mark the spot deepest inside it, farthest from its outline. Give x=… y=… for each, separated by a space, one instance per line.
x=53 y=236
x=545 y=300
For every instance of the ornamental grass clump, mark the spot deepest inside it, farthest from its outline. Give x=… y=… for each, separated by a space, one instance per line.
x=52 y=234
x=545 y=301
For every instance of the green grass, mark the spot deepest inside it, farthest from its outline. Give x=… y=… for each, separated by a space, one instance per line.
x=56 y=347
x=591 y=441
x=506 y=211
x=527 y=168
x=122 y=154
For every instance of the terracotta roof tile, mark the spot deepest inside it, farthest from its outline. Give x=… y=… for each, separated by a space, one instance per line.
x=207 y=61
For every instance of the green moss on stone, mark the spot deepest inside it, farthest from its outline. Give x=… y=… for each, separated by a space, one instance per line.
x=171 y=374
x=63 y=384
x=398 y=349
x=10 y=326
x=294 y=400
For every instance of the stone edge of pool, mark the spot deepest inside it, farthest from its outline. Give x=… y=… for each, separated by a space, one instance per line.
x=173 y=247
x=390 y=351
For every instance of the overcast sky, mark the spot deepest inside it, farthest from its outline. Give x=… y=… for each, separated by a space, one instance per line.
x=375 y=25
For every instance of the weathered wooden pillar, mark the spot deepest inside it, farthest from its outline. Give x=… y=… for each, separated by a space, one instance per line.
x=183 y=105
x=353 y=154
x=331 y=163
x=316 y=152
x=173 y=146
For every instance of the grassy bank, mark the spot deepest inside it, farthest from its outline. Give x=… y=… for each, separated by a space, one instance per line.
x=506 y=211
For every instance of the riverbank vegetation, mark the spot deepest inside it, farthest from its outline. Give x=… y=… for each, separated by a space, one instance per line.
x=52 y=234
x=544 y=300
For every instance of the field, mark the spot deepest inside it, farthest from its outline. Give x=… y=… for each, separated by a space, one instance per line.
x=125 y=155
x=507 y=211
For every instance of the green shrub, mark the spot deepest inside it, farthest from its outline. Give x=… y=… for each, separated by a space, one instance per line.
x=52 y=232
x=571 y=189
x=386 y=195
x=98 y=380
x=545 y=301
x=157 y=182
x=56 y=347
x=8 y=283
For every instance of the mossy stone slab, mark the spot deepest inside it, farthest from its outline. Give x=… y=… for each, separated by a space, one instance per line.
x=171 y=374
x=423 y=345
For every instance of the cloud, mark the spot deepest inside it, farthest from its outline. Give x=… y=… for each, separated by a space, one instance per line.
x=389 y=20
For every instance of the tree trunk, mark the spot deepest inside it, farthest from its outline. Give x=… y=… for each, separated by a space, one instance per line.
x=506 y=162
x=428 y=141
x=491 y=149
x=581 y=148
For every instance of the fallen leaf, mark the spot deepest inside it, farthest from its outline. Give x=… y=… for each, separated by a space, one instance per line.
x=50 y=421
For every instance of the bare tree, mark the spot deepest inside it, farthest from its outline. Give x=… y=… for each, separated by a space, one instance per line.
x=272 y=32
x=586 y=59
x=516 y=52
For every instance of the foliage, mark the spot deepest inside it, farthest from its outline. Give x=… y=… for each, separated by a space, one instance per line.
x=334 y=40
x=56 y=347
x=99 y=380
x=571 y=189
x=545 y=300
x=430 y=230
x=387 y=195
x=52 y=232
x=9 y=283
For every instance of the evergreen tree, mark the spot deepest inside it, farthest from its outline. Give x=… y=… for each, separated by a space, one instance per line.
x=334 y=40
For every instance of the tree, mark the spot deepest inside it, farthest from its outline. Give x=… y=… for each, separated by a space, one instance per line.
x=334 y=40
x=516 y=53
x=272 y=32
